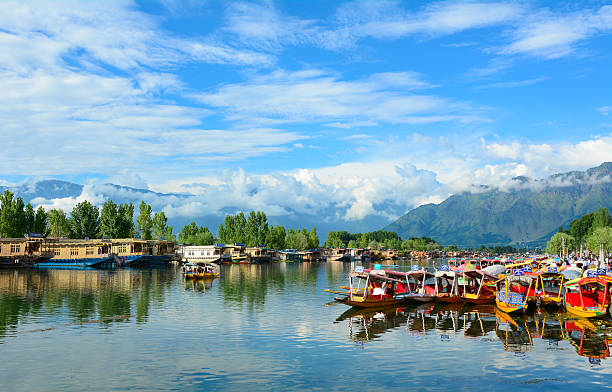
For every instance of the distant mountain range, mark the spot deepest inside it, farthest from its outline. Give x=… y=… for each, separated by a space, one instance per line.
x=527 y=211
x=48 y=191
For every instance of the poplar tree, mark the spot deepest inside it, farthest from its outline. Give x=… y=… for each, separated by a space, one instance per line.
x=144 y=222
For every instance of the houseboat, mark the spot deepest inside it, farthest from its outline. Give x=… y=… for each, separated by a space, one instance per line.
x=22 y=252
x=197 y=254
x=70 y=253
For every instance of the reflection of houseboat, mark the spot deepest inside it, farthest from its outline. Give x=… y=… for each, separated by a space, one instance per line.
x=19 y=252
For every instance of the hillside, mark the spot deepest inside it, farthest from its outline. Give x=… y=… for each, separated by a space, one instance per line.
x=529 y=211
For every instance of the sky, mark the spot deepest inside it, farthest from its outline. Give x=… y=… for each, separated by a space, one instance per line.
x=344 y=110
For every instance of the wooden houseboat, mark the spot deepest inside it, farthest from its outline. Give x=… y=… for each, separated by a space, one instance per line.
x=197 y=254
x=22 y=252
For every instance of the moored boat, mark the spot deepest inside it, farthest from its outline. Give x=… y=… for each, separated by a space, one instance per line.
x=446 y=288
x=200 y=271
x=514 y=292
x=476 y=286
x=379 y=288
x=589 y=296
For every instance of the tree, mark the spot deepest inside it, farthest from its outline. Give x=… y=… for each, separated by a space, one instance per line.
x=57 y=224
x=601 y=236
x=84 y=221
x=40 y=221
x=313 y=239
x=602 y=219
x=558 y=241
x=126 y=221
x=29 y=216
x=109 y=220
x=581 y=228
x=233 y=230
x=160 y=227
x=275 y=238
x=144 y=221
x=192 y=234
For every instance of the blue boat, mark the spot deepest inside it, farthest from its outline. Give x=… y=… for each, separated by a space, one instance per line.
x=97 y=262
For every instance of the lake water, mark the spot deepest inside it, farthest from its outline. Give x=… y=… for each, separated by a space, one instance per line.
x=272 y=327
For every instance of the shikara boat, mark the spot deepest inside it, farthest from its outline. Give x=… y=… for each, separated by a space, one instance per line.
x=380 y=288
x=421 y=289
x=589 y=296
x=200 y=271
x=549 y=287
x=477 y=287
x=446 y=287
x=514 y=292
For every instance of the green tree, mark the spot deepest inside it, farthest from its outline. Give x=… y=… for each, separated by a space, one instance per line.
x=84 y=221
x=12 y=216
x=233 y=230
x=558 y=241
x=126 y=221
x=601 y=236
x=29 y=216
x=160 y=226
x=57 y=223
x=275 y=238
x=313 y=239
x=602 y=219
x=192 y=234
x=581 y=228
x=40 y=221
x=109 y=220
x=144 y=221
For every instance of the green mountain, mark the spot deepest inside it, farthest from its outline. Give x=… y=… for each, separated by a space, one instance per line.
x=528 y=211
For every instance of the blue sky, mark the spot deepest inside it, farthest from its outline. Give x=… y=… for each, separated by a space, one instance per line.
x=352 y=109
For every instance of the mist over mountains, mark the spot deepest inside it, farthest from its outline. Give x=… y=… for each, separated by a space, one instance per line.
x=523 y=211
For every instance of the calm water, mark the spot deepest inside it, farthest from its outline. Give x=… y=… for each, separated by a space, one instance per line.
x=271 y=327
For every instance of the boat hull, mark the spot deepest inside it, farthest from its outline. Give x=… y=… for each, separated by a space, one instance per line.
x=453 y=299
x=478 y=300
x=371 y=303
x=588 y=312
x=201 y=276
x=102 y=262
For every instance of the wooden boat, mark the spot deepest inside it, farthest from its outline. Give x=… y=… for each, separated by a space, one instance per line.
x=420 y=289
x=446 y=287
x=200 y=271
x=590 y=296
x=514 y=292
x=476 y=286
x=380 y=288
x=549 y=287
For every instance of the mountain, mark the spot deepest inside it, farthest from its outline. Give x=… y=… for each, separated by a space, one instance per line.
x=527 y=211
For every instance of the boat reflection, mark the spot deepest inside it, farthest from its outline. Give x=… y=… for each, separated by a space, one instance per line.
x=80 y=296
x=200 y=285
x=519 y=333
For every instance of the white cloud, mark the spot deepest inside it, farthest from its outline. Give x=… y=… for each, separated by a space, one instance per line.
x=550 y=35
x=605 y=110
x=315 y=95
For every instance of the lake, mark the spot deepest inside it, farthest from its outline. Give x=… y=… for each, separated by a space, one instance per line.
x=272 y=327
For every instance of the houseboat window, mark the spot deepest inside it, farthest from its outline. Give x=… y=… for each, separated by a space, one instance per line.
x=15 y=248
x=56 y=252
x=74 y=252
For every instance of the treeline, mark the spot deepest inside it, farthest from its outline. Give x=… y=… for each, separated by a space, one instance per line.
x=379 y=240
x=587 y=232
x=251 y=230
x=84 y=221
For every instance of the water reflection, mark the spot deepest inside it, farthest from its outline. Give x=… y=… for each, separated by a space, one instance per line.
x=516 y=333
x=79 y=296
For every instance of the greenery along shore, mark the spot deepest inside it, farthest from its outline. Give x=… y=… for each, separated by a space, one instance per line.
x=587 y=232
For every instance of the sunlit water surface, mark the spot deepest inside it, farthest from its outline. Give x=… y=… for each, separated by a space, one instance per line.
x=272 y=327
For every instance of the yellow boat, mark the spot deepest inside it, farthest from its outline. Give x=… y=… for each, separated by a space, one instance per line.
x=588 y=297
x=200 y=271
